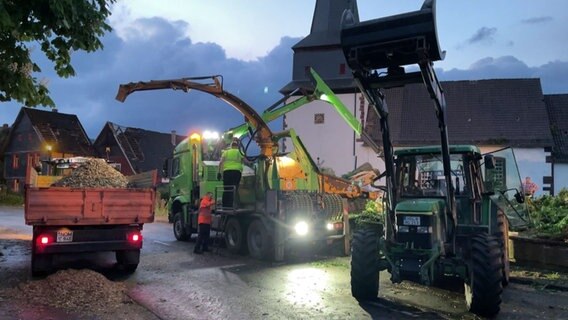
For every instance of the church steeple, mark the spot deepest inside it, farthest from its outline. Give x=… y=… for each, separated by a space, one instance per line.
x=321 y=49
x=326 y=23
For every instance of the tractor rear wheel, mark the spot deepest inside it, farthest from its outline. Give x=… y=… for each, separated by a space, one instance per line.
x=484 y=287
x=503 y=236
x=180 y=232
x=365 y=264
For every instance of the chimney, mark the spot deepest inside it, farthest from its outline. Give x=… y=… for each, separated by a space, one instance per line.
x=173 y=138
x=54 y=110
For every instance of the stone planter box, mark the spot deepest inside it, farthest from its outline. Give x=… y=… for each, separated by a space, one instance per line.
x=538 y=252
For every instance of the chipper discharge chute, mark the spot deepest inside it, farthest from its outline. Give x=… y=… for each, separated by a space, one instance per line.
x=446 y=206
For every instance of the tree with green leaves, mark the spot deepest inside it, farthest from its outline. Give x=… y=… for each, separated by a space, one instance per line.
x=57 y=28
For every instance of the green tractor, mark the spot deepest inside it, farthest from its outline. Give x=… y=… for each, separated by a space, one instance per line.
x=448 y=207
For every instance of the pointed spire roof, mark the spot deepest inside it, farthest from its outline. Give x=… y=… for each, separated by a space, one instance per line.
x=326 y=23
x=321 y=49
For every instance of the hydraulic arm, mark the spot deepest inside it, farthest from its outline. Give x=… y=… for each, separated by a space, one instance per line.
x=215 y=88
x=321 y=92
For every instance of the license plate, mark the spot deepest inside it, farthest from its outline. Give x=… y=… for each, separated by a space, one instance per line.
x=64 y=236
x=411 y=221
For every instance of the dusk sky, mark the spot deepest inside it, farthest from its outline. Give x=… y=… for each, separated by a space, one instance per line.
x=249 y=43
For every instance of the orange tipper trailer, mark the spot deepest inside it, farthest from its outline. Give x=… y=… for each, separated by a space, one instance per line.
x=74 y=220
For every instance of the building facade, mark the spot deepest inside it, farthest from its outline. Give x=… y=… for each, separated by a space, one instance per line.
x=38 y=135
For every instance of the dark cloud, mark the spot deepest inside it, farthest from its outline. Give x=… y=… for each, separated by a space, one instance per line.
x=483 y=35
x=536 y=20
x=157 y=49
x=552 y=75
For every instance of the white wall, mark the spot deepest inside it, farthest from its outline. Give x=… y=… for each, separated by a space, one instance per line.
x=560 y=177
x=333 y=141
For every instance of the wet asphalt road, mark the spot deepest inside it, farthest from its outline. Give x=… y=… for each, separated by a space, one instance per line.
x=173 y=283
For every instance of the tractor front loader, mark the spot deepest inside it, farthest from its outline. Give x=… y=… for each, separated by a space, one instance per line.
x=447 y=206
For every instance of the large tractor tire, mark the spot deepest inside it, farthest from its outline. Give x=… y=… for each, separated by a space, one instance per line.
x=484 y=287
x=503 y=236
x=234 y=236
x=128 y=260
x=259 y=241
x=365 y=264
x=180 y=231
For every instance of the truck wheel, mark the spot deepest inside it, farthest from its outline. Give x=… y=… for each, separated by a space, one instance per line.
x=260 y=245
x=234 y=236
x=503 y=236
x=365 y=264
x=484 y=287
x=41 y=264
x=180 y=232
x=128 y=260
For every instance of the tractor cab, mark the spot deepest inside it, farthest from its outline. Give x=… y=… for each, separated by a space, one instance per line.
x=421 y=175
x=482 y=185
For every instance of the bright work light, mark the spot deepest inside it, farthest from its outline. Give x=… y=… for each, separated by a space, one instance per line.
x=210 y=135
x=301 y=228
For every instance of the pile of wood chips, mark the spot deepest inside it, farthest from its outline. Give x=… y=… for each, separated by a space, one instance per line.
x=75 y=290
x=94 y=173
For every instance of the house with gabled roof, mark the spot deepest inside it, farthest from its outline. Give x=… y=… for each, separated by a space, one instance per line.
x=491 y=114
x=40 y=135
x=557 y=106
x=137 y=150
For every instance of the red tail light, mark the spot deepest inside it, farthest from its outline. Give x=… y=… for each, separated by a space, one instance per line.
x=338 y=225
x=135 y=237
x=43 y=240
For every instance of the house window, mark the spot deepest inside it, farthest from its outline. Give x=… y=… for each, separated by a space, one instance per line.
x=319 y=118
x=342 y=68
x=15 y=161
x=16 y=186
x=36 y=160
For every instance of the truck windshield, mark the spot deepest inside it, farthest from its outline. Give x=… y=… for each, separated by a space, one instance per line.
x=423 y=175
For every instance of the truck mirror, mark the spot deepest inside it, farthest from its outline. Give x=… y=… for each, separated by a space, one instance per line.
x=519 y=197
x=489 y=161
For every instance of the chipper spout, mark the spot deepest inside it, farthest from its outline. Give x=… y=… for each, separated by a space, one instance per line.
x=392 y=41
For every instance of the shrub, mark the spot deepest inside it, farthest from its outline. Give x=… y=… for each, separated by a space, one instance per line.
x=11 y=199
x=549 y=215
x=373 y=213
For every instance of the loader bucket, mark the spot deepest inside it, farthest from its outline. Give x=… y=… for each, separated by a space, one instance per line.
x=392 y=41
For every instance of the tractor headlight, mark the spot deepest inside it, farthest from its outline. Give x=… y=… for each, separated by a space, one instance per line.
x=301 y=228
